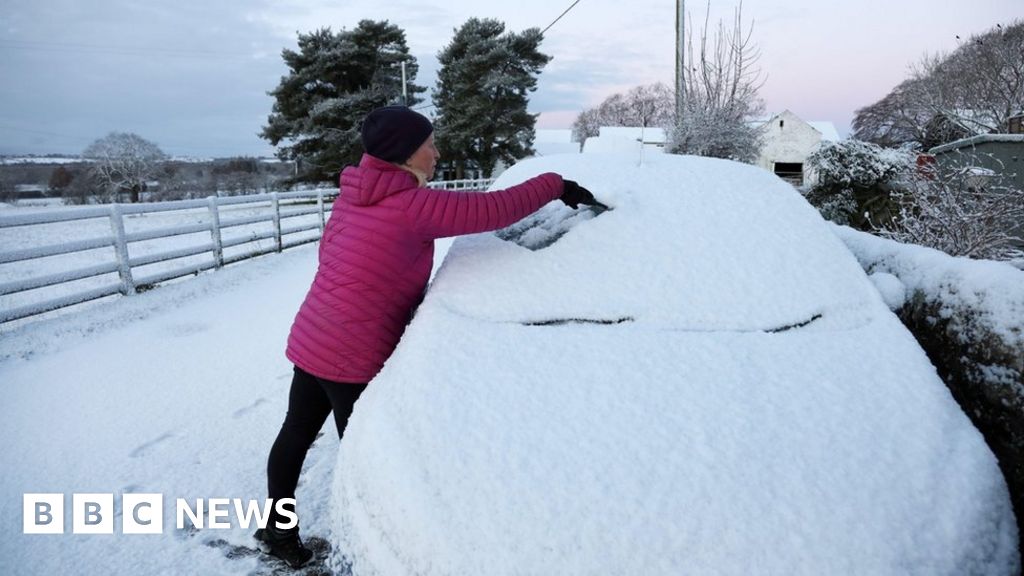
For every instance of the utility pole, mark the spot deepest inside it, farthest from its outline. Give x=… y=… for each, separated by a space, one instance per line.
x=405 y=95
x=680 y=58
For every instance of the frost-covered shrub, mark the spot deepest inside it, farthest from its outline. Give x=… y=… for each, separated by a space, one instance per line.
x=853 y=181
x=967 y=212
x=715 y=133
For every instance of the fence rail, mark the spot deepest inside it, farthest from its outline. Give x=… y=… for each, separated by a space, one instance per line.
x=125 y=265
x=469 y=184
x=130 y=279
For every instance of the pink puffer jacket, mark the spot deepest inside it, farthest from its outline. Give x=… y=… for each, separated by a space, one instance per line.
x=375 y=259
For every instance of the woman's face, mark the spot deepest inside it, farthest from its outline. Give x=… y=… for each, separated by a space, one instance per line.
x=424 y=159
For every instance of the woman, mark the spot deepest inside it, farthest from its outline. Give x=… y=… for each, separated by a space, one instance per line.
x=376 y=255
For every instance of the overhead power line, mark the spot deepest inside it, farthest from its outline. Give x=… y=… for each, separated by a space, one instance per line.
x=542 y=32
x=560 y=17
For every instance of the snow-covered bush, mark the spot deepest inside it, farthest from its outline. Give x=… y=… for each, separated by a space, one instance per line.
x=716 y=133
x=968 y=212
x=853 y=180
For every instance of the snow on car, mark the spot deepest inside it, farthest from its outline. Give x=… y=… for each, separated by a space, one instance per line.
x=701 y=380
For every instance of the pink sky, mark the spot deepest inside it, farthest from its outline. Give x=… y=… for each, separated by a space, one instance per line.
x=193 y=76
x=822 y=60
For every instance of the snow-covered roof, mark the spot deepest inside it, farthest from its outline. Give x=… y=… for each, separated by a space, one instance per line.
x=827 y=129
x=552 y=135
x=650 y=134
x=701 y=380
x=549 y=148
x=976 y=140
x=31 y=187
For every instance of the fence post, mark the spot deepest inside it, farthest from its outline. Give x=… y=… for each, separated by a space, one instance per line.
x=277 y=220
x=218 y=245
x=124 y=267
x=320 y=207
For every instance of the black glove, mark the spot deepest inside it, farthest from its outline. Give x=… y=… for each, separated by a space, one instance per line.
x=573 y=195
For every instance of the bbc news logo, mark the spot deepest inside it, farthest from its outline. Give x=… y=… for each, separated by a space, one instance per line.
x=144 y=513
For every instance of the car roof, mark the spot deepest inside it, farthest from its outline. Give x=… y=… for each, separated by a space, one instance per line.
x=690 y=243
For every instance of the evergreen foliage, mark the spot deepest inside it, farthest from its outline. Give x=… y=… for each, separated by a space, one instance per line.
x=481 y=95
x=335 y=80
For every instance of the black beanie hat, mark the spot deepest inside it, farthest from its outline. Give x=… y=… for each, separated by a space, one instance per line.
x=394 y=133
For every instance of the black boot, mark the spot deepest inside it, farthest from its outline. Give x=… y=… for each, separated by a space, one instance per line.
x=284 y=544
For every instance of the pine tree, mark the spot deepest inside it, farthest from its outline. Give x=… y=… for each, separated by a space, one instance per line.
x=335 y=80
x=481 y=95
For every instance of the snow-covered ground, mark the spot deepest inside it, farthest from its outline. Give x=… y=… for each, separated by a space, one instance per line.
x=708 y=444
x=178 y=391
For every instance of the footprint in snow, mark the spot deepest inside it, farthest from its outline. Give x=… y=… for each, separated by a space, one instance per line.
x=145 y=448
x=185 y=329
x=243 y=411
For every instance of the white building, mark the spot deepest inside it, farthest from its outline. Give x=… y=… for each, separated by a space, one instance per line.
x=788 y=141
x=626 y=139
x=548 y=141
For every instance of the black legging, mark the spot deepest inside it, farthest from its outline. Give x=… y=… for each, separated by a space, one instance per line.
x=310 y=400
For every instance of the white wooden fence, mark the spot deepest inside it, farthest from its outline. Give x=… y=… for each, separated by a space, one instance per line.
x=124 y=264
x=474 y=184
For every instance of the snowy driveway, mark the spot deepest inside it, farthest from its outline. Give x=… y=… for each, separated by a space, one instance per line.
x=178 y=391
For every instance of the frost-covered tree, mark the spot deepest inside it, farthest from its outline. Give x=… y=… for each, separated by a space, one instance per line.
x=973 y=90
x=967 y=212
x=587 y=124
x=853 y=180
x=721 y=82
x=643 y=106
x=334 y=80
x=124 y=162
x=482 y=94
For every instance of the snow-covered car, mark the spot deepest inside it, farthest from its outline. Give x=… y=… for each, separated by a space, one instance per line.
x=701 y=380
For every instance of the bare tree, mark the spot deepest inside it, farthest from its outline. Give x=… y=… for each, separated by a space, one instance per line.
x=898 y=119
x=124 y=162
x=641 y=107
x=587 y=124
x=721 y=82
x=973 y=90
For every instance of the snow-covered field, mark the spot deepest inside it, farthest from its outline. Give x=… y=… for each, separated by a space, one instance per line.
x=703 y=441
